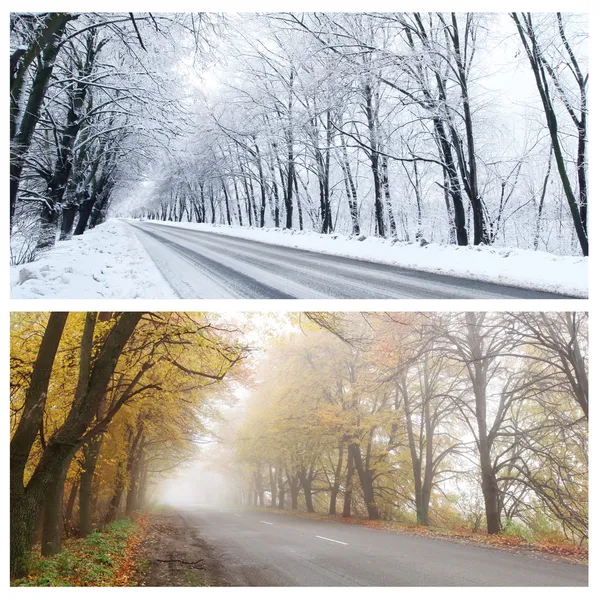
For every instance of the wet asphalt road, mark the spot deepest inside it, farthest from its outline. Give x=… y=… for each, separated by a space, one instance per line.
x=267 y=549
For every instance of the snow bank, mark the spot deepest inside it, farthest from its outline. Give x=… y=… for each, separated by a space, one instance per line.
x=106 y=262
x=508 y=266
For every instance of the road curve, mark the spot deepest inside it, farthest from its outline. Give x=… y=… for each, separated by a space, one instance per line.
x=200 y=264
x=267 y=549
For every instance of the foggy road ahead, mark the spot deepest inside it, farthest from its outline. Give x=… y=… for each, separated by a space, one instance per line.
x=264 y=549
x=200 y=264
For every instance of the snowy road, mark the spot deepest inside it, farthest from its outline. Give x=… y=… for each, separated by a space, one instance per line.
x=207 y=265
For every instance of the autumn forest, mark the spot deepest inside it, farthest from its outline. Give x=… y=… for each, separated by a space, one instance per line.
x=474 y=421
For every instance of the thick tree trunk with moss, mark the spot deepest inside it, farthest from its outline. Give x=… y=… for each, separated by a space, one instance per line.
x=91 y=452
x=52 y=530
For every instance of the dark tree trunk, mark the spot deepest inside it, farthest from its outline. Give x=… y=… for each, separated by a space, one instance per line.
x=260 y=491
x=85 y=210
x=228 y=212
x=335 y=488
x=327 y=224
x=366 y=481
x=348 y=491
x=298 y=202
x=52 y=530
x=281 y=487
x=273 y=484
x=306 y=482
x=374 y=159
x=25 y=510
x=385 y=184
x=462 y=237
x=294 y=489
x=68 y=218
x=478 y=374
x=115 y=501
x=131 y=501
x=70 y=506
x=350 y=189
x=274 y=187
x=263 y=192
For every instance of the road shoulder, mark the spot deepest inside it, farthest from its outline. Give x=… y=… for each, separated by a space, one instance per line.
x=173 y=554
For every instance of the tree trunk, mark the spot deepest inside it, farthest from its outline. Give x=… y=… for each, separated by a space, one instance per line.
x=70 y=506
x=68 y=218
x=348 y=491
x=350 y=189
x=115 y=501
x=374 y=159
x=293 y=484
x=85 y=210
x=259 y=485
x=24 y=512
x=462 y=237
x=335 y=488
x=52 y=529
x=281 y=489
x=131 y=502
x=366 y=481
x=306 y=483
x=388 y=199
x=273 y=485
x=91 y=452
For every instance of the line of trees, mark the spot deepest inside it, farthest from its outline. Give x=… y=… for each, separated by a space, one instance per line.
x=382 y=124
x=102 y=403
x=436 y=418
x=91 y=99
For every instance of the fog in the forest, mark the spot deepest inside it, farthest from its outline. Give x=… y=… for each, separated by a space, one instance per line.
x=381 y=416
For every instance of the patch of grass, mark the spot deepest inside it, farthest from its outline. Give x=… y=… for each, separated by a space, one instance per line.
x=519 y=531
x=91 y=561
x=143 y=565
x=194 y=579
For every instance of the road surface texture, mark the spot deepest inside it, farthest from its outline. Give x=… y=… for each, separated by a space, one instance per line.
x=267 y=549
x=200 y=264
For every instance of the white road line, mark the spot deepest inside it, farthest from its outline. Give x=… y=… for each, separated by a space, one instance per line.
x=330 y=540
x=236 y=515
x=266 y=523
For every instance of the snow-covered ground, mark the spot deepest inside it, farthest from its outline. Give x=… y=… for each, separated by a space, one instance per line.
x=106 y=262
x=508 y=266
x=110 y=262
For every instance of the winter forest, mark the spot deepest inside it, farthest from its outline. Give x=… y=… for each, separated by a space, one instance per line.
x=462 y=129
